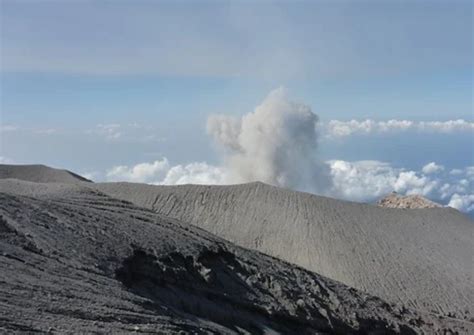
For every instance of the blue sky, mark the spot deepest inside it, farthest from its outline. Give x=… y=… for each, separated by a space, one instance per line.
x=71 y=69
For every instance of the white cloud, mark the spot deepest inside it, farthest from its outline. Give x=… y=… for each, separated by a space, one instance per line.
x=447 y=126
x=340 y=128
x=395 y=125
x=464 y=202
x=469 y=172
x=458 y=186
x=160 y=172
x=411 y=182
x=432 y=168
x=369 y=180
x=336 y=128
x=144 y=172
x=194 y=173
x=455 y=172
x=360 y=180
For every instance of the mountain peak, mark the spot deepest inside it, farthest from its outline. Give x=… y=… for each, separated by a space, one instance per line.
x=395 y=200
x=40 y=174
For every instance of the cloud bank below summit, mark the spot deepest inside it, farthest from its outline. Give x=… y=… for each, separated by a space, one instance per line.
x=277 y=144
x=361 y=181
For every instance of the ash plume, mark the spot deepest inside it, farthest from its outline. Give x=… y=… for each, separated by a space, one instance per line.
x=275 y=144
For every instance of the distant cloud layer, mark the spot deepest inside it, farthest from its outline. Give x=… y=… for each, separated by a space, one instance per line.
x=362 y=181
x=277 y=144
x=161 y=172
x=143 y=172
x=226 y=130
x=336 y=128
x=369 y=180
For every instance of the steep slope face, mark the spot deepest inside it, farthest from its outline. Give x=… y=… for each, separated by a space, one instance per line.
x=39 y=174
x=76 y=260
x=422 y=257
x=395 y=200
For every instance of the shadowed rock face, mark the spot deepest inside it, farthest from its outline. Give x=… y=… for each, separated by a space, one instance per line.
x=76 y=260
x=213 y=286
x=419 y=257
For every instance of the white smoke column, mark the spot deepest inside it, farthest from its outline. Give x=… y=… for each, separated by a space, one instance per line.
x=275 y=144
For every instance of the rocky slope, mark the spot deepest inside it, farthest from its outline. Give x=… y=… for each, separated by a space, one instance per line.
x=420 y=257
x=395 y=200
x=75 y=260
x=39 y=174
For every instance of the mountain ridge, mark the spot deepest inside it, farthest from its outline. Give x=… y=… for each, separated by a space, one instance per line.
x=77 y=260
x=39 y=173
x=402 y=256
